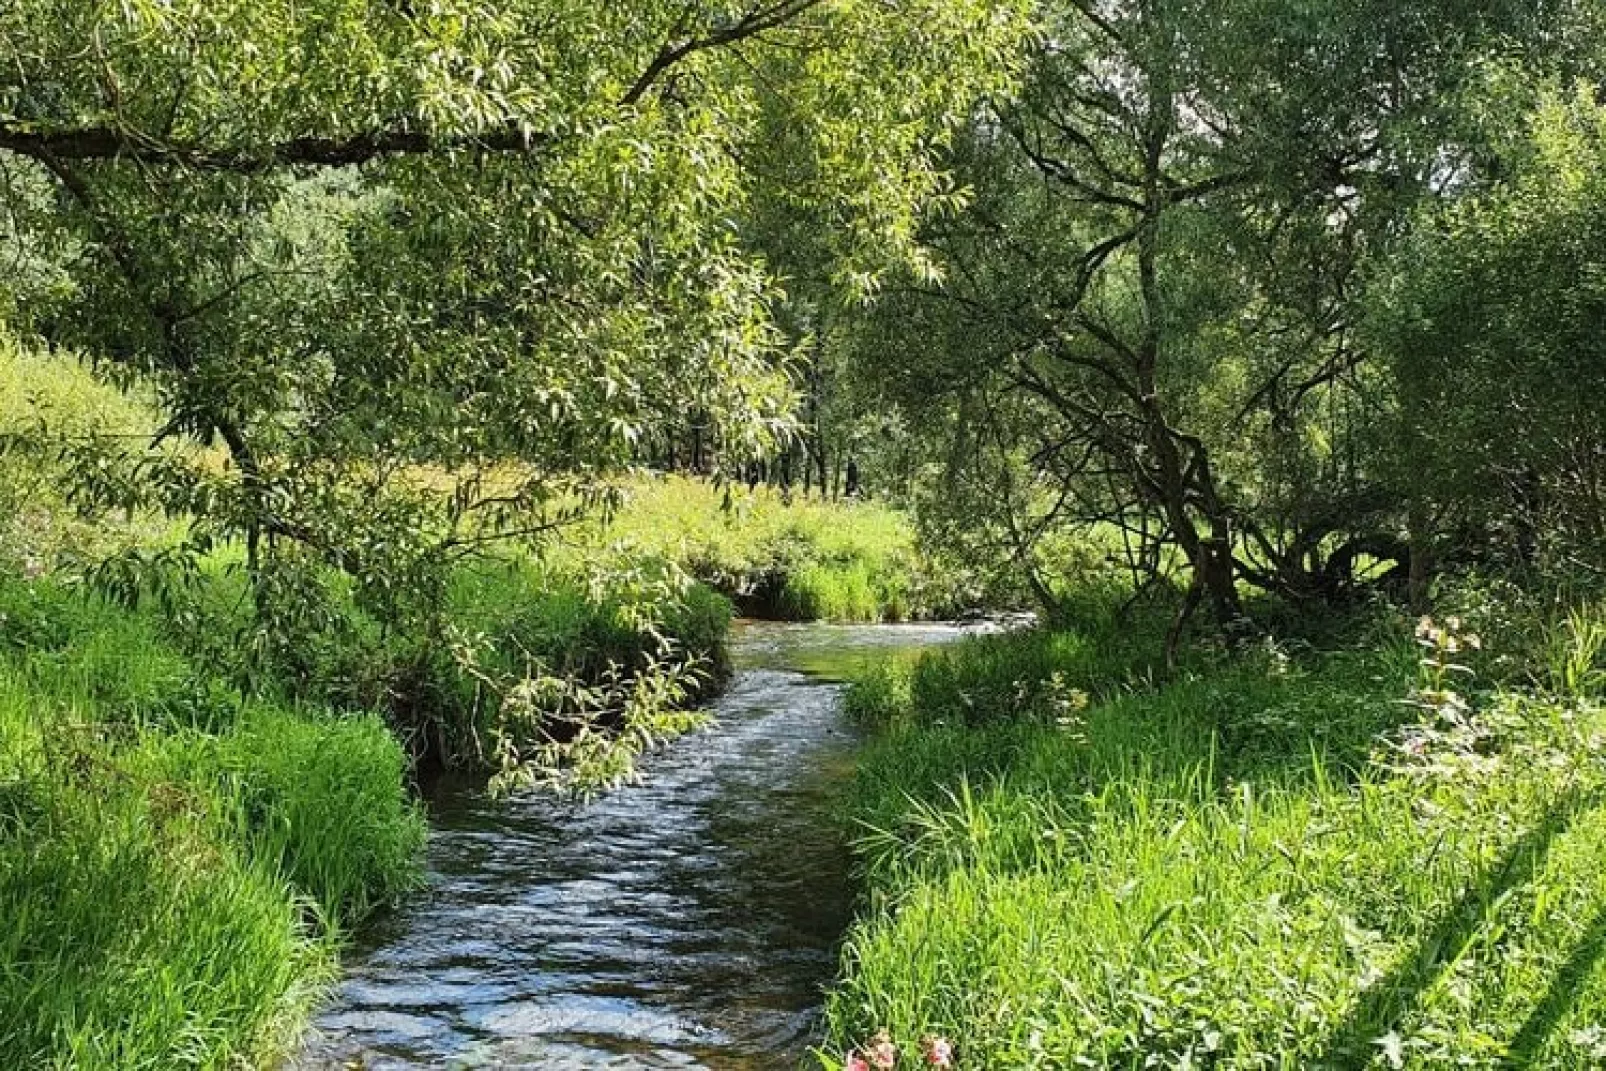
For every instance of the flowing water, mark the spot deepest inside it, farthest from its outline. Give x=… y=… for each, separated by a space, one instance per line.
x=688 y=921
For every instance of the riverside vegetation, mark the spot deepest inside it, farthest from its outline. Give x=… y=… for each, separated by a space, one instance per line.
x=1366 y=847
x=192 y=822
x=392 y=386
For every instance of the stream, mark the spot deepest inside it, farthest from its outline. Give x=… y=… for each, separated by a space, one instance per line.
x=691 y=920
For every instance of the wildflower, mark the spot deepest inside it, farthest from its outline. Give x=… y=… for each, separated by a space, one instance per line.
x=939 y=1051
x=855 y=1063
x=881 y=1052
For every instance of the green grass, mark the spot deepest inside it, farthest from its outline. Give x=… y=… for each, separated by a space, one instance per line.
x=800 y=559
x=177 y=865
x=1226 y=870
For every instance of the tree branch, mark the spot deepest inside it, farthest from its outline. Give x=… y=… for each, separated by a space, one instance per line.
x=115 y=142
x=756 y=21
x=94 y=143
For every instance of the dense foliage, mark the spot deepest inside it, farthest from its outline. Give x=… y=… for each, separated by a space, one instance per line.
x=340 y=341
x=425 y=273
x=1253 y=287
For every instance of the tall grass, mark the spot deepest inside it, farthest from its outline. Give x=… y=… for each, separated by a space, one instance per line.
x=779 y=557
x=177 y=865
x=1268 y=862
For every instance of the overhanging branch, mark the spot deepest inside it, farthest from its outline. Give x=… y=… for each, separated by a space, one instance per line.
x=109 y=141
x=103 y=143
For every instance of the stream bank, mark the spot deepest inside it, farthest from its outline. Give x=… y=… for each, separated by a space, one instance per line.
x=690 y=920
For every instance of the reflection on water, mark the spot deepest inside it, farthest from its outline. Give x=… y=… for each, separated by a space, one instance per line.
x=689 y=921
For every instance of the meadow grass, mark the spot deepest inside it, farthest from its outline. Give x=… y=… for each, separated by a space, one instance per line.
x=789 y=557
x=1266 y=861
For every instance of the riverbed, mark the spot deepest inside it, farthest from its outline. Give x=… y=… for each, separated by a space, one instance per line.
x=688 y=921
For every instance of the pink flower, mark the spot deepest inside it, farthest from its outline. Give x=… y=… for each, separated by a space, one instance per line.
x=939 y=1051
x=881 y=1052
x=855 y=1063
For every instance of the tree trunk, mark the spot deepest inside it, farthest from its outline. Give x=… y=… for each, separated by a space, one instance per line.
x=1421 y=564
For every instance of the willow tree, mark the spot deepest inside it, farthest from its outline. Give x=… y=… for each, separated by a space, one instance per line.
x=1147 y=317
x=371 y=248
x=1491 y=319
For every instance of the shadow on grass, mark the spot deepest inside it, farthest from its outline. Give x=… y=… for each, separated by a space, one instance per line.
x=1559 y=997
x=1354 y=1042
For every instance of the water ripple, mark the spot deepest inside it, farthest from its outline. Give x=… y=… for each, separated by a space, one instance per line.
x=686 y=922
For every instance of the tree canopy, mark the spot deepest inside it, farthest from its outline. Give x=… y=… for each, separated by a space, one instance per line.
x=367 y=246
x=1156 y=315
x=1215 y=278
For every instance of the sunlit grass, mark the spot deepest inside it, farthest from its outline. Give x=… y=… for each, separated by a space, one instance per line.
x=177 y=866
x=1227 y=870
x=798 y=558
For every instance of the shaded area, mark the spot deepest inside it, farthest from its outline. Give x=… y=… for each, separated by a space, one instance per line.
x=690 y=921
x=1560 y=995
x=1385 y=1004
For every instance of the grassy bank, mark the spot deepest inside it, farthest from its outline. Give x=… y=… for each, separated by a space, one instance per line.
x=795 y=558
x=177 y=864
x=189 y=829
x=1306 y=857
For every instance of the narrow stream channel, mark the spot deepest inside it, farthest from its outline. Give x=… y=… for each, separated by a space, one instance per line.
x=689 y=921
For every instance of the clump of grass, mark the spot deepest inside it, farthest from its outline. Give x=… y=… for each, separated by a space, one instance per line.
x=176 y=871
x=317 y=797
x=841 y=592
x=129 y=939
x=1251 y=865
x=1575 y=653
